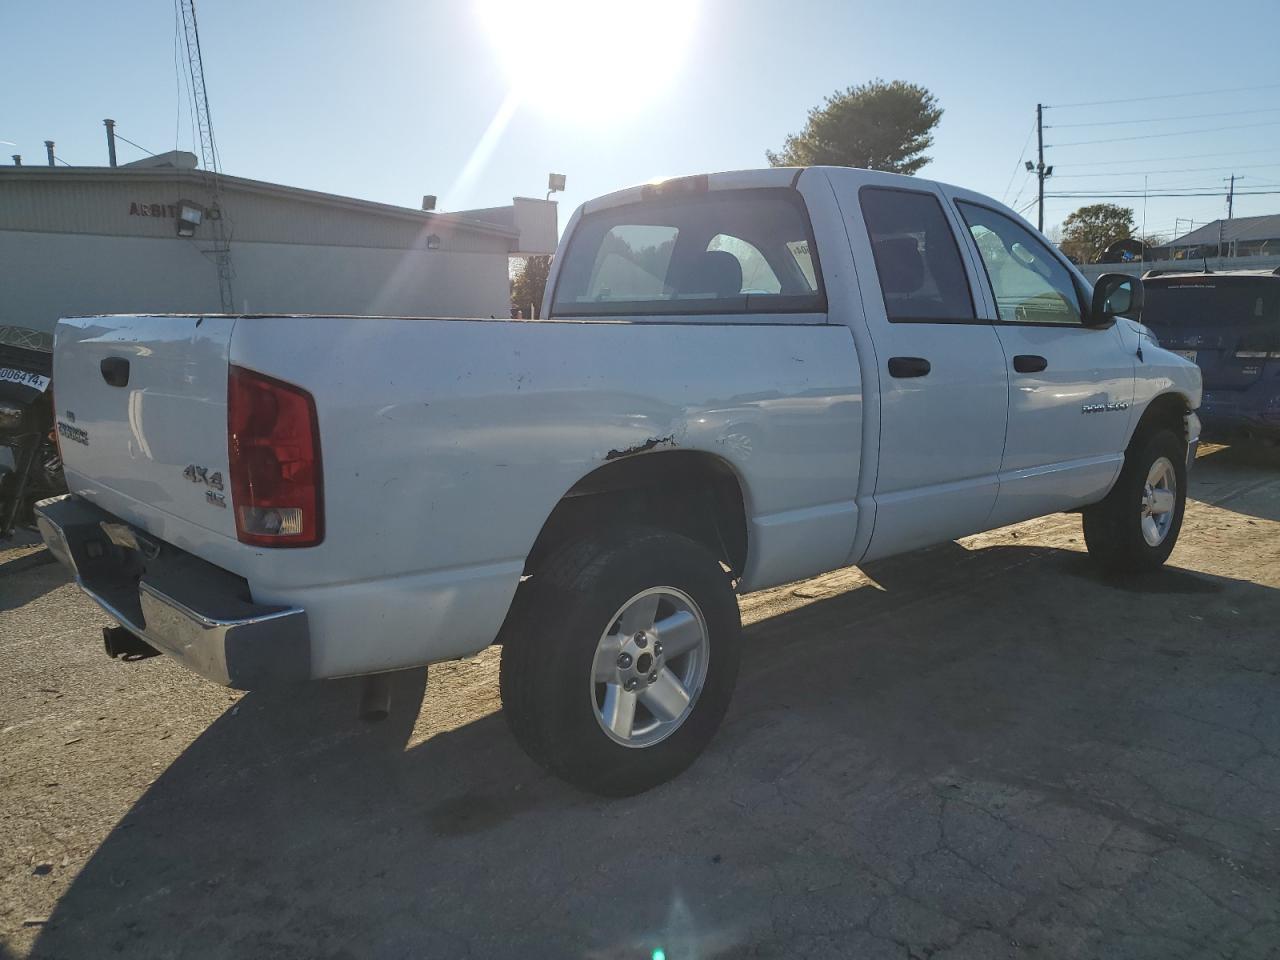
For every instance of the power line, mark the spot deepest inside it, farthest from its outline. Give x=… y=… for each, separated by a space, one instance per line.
x=132 y=144
x=1164 y=96
x=1197 y=190
x=1153 y=173
x=1018 y=166
x=1185 y=156
x=1184 y=116
x=1139 y=195
x=1025 y=180
x=1178 y=133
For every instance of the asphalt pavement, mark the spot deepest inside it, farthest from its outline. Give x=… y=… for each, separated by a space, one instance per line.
x=981 y=750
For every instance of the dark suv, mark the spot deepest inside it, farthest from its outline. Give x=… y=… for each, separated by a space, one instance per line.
x=1229 y=324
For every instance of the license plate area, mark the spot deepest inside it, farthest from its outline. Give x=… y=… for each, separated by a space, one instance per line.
x=24 y=378
x=123 y=535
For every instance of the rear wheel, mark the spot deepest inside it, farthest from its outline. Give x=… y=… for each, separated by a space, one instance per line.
x=1136 y=527
x=621 y=663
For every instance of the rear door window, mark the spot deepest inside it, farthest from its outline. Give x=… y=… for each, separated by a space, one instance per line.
x=717 y=252
x=922 y=277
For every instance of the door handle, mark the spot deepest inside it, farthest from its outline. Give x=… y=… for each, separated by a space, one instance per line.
x=909 y=367
x=115 y=370
x=1029 y=363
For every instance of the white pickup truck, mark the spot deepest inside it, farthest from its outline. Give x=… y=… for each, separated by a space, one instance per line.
x=743 y=379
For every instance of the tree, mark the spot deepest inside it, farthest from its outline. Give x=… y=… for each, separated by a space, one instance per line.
x=527 y=287
x=877 y=125
x=1090 y=230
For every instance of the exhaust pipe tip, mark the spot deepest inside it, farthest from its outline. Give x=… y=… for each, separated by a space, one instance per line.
x=375 y=697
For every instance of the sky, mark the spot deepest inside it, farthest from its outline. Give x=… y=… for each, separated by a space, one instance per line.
x=476 y=101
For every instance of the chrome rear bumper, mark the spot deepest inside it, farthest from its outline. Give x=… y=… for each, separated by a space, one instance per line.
x=199 y=614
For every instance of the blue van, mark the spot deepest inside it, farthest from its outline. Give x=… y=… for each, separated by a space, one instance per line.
x=1229 y=324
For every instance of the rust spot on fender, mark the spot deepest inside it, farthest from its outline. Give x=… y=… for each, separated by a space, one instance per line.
x=649 y=444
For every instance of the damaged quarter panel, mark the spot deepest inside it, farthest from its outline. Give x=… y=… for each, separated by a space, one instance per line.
x=446 y=449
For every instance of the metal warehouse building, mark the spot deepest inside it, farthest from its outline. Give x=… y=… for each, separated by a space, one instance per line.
x=1238 y=237
x=85 y=240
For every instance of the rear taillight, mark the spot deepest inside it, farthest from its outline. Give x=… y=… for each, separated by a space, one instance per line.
x=274 y=449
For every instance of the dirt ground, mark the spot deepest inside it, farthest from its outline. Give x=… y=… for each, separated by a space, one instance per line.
x=981 y=750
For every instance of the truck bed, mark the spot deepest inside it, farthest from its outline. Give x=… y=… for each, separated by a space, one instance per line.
x=446 y=444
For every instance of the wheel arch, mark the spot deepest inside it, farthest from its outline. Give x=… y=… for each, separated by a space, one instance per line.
x=1167 y=410
x=693 y=492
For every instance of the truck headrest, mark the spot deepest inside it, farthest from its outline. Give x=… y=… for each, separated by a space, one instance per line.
x=900 y=264
x=713 y=271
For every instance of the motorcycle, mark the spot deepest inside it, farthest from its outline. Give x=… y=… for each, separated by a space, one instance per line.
x=26 y=427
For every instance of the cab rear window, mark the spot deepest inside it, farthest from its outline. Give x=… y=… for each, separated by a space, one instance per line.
x=721 y=252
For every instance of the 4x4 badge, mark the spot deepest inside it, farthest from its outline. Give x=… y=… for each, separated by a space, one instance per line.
x=198 y=474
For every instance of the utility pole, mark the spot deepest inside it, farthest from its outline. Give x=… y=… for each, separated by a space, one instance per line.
x=1231 y=196
x=1143 y=250
x=1040 y=164
x=1042 y=172
x=111 y=141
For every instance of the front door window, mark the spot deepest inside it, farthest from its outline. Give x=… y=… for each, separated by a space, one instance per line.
x=1031 y=285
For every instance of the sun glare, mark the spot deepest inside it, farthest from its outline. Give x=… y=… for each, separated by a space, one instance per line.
x=608 y=57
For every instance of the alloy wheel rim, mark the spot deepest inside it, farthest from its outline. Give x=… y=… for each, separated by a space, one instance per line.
x=1159 y=501
x=650 y=667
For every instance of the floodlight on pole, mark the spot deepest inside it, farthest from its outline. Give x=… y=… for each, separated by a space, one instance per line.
x=190 y=216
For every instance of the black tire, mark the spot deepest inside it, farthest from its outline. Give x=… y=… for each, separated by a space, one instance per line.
x=550 y=644
x=1113 y=528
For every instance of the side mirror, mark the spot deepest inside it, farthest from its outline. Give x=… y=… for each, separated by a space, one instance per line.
x=1115 y=295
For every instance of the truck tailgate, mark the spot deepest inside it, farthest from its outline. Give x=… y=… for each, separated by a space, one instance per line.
x=142 y=410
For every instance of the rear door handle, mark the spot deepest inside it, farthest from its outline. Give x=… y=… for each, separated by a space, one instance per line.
x=1029 y=363
x=115 y=370
x=909 y=367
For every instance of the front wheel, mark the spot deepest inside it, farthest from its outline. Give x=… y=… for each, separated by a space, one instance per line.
x=621 y=662
x=1136 y=527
